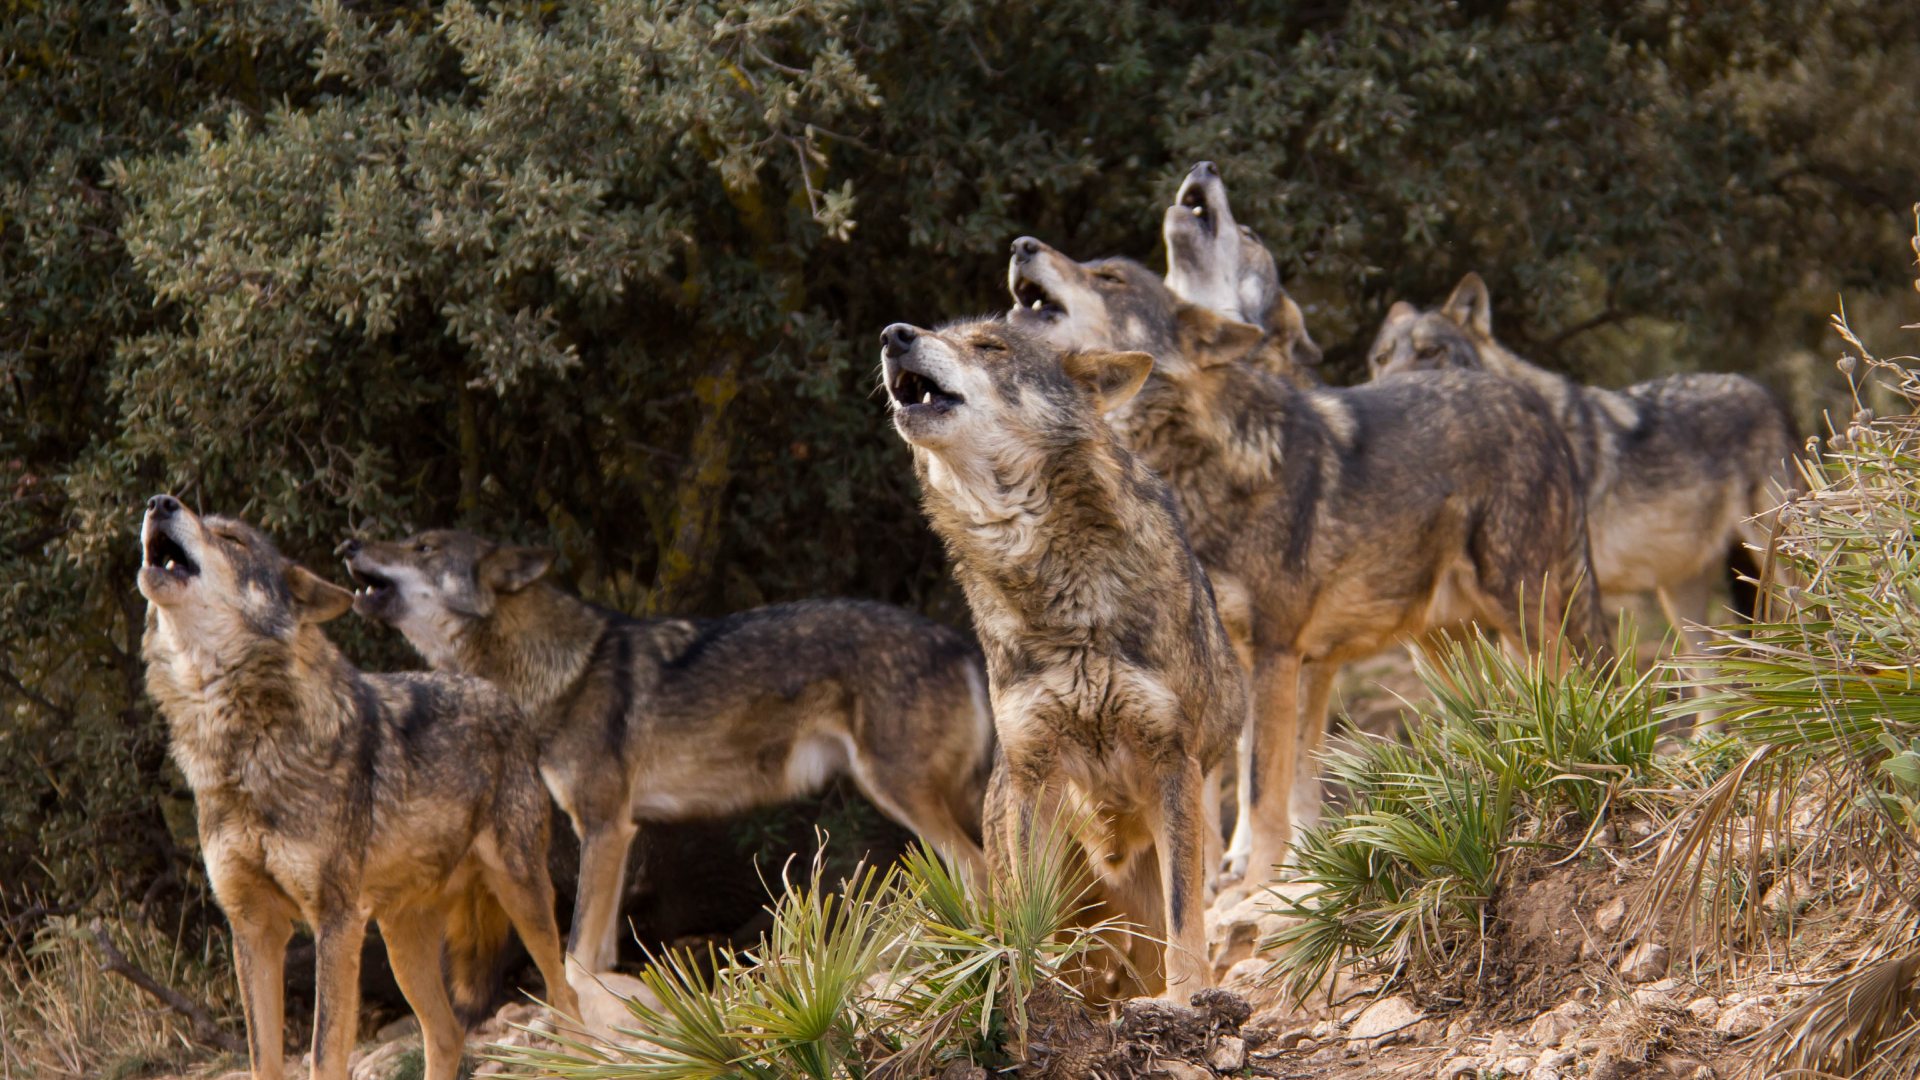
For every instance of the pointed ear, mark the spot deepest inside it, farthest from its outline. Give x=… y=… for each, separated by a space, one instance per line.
x=1469 y=306
x=1111 y=377
x=1208 y=338
x=1401 y=311
x=315 y=599
x=510 y=569
x=1289 y=324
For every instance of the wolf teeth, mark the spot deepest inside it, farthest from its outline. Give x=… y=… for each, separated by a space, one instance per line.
x=1199 y=211
x=926 y=398
x=1038 y=304
x=169 y=564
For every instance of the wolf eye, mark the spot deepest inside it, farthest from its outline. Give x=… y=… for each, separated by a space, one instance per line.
x=989 y=345
x=422 y=548
x=1431 y=352
x=1107 y=276
x=230 y=536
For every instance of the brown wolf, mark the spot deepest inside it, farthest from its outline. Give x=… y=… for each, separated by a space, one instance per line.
x=1679 y=470
x=1114 y=687
x=327 y=795
x=674 y=719
x=1222 y=266
x=1335 y=523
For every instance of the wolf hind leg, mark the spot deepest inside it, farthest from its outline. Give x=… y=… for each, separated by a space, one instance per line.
x=1687 y=607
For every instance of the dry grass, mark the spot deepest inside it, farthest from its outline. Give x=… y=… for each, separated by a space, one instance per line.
x=62 y=1016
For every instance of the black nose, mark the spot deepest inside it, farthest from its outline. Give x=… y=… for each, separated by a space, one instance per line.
x=1025 y=248
x=1206 y=168
x=347 y=549
x=162 y=506
x=897 y=339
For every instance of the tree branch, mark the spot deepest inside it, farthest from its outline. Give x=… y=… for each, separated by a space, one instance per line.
x=205 y=1028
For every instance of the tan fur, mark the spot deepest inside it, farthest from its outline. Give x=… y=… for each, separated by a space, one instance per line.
x=1347 y=528
x=1114 y=690
x=328 y=796
x=676 y=719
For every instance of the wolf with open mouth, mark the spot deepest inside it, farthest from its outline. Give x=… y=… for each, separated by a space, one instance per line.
x=1115 y=692
x=325 y=795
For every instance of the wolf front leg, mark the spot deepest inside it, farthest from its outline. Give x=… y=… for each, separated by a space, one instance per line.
x=337 y=937
x=595 y=940
x=1274 y=752
x=1316 y=695
x=260 y=960
x=1181 y=847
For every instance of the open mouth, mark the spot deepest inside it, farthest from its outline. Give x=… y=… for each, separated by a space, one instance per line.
x=1194 y=198
x=914 y=391
x=1029 y=295
x=166 y=554
x=368 y=585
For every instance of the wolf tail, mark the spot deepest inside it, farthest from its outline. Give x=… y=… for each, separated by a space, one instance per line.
x=476 y=951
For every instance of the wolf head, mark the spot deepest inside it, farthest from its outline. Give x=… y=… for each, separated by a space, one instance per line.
x=985 y=393
x=217 y=586
x=1218 y=264
x=432 y=586
x=1117 y=304
x=1459 y=334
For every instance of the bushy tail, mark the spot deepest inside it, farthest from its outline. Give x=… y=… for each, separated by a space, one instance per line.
x=477 y=928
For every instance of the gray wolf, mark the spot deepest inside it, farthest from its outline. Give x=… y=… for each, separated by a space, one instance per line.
x=1334 y=523
x=672 y=719
x=1222 y=266
x=1114 y=686
x=326 y=795
x=1679 y=470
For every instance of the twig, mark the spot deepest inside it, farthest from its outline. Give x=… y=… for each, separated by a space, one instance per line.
x=205 y=1029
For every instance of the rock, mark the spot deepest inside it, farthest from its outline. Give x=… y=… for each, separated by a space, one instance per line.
x=384 y=1060
x=1517 y=1066
x=1557 y=1023
x=1458 y=1068
x=1704 y=1009
x=399 y=1029
x=1326 y=1055
x=1289 y=1040
x=1173 y=1069
x=1380 y=1021
x=1557 y=1059
x=1248 y=974
x=1228 y=1055
x=1789 y=896
x=1742 y=1020
x=1610 y=915
x=1704 y=1072
x=1650 y=998
x=963 y=1070
x=1237 y=931
x=1644 y=963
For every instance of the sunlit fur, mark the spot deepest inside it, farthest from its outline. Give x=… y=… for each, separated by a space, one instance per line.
x=326 y=795
x=1113 y=686
x=672 y=719
x=1348 y=520
x=1679 y=470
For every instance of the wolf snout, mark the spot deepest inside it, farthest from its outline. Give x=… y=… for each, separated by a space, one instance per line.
x=163 y=506
x=347 y=549
x=1026 y=248
x=1205 y=168
x=897 y=339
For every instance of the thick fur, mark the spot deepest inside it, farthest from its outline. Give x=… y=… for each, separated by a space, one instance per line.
x=1679 y=470
x=1335 y=523
x=1114 y=687
x=1221 y=265
x=675 y=719
x=326 y=795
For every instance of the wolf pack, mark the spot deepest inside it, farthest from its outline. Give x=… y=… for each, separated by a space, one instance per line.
x=1171 y=536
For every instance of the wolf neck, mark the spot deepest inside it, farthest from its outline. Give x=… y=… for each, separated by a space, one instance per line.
x=224 y=712
x=1589 y=415
x=533 y=646
x=1212 y=450
x=1043 y=540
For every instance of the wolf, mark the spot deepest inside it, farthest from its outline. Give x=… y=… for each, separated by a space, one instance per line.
x=1222 y=266
x=1680 y=471
x=1114 y=687
x=325 y=795
x=671 y=719
x=1335 y=522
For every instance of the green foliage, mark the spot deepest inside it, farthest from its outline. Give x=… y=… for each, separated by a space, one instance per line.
x=606 y=275
x=1504 y=752
x=886 y=975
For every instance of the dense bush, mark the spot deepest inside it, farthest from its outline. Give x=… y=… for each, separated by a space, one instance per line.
x=608 y=275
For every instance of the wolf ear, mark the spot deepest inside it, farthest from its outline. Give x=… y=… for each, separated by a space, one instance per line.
x=510 y=569
x=1400 y=312
x=1290 y=324
x=1207 y=338
x=315 y=599
x=1111 y=377
x=1469 y=306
